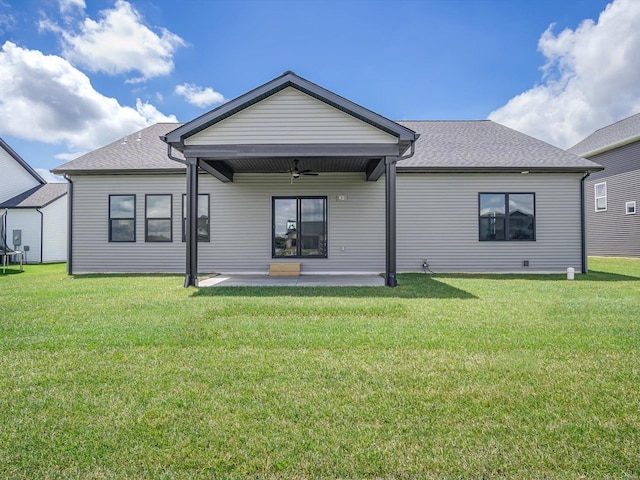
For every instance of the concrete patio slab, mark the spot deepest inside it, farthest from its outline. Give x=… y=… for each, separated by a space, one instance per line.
x=301 y=281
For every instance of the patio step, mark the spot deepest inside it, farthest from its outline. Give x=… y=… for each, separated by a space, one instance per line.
x=284 y=269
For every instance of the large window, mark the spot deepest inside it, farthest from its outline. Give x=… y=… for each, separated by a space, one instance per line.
x=122 y=218
x=601 y=196
x=507 y=216
x=158 y=218
x=203 y=217
x=299 y=227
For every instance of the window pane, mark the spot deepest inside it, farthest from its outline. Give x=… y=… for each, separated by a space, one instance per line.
x=285 y=227
x=122 y=206
x=631 y=207
x=492 y=228
x=158 y=206
x=122 y=230
x=521 y=216
x=203 y=217
x=313 y=227
x=158 y=230
x=601 y=189
x=601 y=203
x=492 y=204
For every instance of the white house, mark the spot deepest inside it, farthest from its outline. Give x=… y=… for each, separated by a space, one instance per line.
x=36 y=211
x=291 y=172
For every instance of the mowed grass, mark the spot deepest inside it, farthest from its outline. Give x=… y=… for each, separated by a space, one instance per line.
x=446 y=376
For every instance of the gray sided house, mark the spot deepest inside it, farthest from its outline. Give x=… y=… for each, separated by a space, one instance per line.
x=35 y=212
x=291 y=172
x=613 y=195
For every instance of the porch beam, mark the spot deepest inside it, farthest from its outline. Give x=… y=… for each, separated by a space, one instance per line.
x=375 y=169
x=218 y=169
x=390 y=220
x=229 y=152
x=191 y=230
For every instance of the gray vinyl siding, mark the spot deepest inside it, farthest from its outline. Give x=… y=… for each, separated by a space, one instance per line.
x=240 y=223
x=290 y=116
x=612 y=232
x=438 y=220
x=14 y=179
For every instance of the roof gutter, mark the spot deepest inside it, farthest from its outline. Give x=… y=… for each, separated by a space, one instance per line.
x=583 y=224
x=69 y=226
x=411 y=152
x=171 y=157
x=606 y=148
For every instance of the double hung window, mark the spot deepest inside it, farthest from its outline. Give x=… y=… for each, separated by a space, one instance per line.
x=158 y=218
x=600 y=191
x=122 y=218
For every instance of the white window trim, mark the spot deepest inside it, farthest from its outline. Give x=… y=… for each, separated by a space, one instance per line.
x=596 y=197
x=626 y=208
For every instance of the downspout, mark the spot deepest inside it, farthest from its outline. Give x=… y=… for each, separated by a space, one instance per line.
x=583 y=223
x=41 y=233
x=175 y=159
x=390 y=216
x=69 y=226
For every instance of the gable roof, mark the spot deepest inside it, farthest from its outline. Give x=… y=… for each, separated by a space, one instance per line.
x=480 y=145
x=21 y=162
x=612 y=136
x=37 y=197
x=288 y=79
x=142 y=151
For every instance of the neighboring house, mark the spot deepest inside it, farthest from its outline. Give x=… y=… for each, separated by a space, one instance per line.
x=468 y=196
x=613 y=195
x=36 y=211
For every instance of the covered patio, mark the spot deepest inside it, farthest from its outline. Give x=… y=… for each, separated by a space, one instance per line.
x=268 y=130
x=240 y=280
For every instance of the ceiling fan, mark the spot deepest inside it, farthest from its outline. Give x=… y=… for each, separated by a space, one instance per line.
x=295 y=172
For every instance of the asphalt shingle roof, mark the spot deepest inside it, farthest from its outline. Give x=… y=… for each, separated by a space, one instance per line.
x=143 y=150
x=37 y=197
x=484 y=144
x=442 y=146
x=626 y=129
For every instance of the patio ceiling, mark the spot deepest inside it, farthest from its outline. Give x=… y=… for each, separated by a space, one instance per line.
x=283 y=165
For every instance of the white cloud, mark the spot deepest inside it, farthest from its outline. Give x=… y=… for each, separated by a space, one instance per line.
x=68 y=156
x=46 y=99
x=69 y=5
x=50 y=177
x=118 y=42
x=198 y=96
x=590 y=79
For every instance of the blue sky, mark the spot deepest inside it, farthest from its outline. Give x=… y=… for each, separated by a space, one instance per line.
x=77 y=74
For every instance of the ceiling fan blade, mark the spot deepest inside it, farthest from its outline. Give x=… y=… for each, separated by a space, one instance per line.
x=306 y=170
x=309 y=173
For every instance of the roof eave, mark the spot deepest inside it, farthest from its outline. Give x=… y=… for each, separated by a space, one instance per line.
x=121 y=171
x=488 y=169
x=611 y=146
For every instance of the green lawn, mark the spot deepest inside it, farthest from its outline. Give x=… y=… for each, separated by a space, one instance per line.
x=445 y=376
